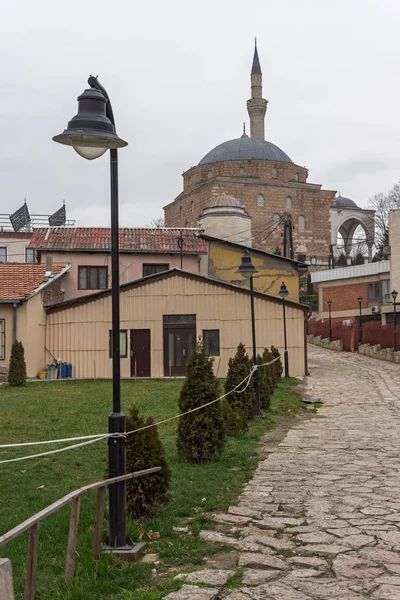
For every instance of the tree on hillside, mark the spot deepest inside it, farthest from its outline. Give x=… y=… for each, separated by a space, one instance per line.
x=382 y=204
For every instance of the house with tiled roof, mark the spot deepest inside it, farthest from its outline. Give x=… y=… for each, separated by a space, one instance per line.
x=25 y=289
x=143 y=252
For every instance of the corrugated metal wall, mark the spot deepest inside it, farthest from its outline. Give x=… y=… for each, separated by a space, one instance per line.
x=79 y=334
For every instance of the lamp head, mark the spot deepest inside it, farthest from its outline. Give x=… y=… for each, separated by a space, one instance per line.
x=283 y=292
x=394 y=295
x=90 y=132
x=360 y=299
x=246 y=266
x=329 y=302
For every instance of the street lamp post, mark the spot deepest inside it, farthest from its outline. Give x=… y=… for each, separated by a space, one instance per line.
x=283 y=294
x=247 y=267
x=394 y=296
x=360 y=299
x=330 y=319
x=91 y=133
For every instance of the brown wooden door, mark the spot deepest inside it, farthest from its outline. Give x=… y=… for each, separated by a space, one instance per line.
x=140 y=353
x=178 y=346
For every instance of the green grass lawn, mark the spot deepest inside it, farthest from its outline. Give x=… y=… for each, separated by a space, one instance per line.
x=49 y=410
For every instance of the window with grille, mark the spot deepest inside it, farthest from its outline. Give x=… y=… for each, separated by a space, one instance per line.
x=2 y=339
x=123 y=343
x=211 y=341
x=153 y=268
x=3 y=255
x=92 y=278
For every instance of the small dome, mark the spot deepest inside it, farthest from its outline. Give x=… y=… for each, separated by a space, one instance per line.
x=245 y=148
x=225 y=200
x=345 y=202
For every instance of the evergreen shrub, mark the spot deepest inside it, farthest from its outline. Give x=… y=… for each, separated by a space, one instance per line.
x=238 y=368
x=278 y=364
x=17 y=368
x=265 y=388
x=146 y=494
x=272 y=377
x=201 y=435
x=234 y=420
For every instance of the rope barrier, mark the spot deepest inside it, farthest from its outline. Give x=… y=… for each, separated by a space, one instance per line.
x=90 y=439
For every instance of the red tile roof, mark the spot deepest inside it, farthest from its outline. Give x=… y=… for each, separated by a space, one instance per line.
x=130 y=240
x=19 y=280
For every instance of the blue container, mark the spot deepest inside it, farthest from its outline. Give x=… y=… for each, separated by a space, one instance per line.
x=69 y=370
x=62 y=371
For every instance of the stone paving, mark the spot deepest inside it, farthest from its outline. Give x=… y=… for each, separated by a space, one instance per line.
x=321 y=517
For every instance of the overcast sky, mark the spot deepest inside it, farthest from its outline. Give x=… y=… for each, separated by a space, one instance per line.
x=178 y=75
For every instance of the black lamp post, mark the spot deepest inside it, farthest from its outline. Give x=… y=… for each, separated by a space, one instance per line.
x=91 y=133
x=247 y=267
x=329 y=302
x=283 y=294
x=360 y=330
x=394 y=296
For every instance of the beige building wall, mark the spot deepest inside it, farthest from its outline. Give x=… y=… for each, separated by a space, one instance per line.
x=31 y=331
x=80 y=334
x=16 y=245
x=6 y=313
x=394 y=239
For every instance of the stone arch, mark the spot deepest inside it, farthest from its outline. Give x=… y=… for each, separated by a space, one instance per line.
x=345 y=221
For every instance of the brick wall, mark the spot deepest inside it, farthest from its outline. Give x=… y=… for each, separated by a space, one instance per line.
x=344 y=297
x=203 y=182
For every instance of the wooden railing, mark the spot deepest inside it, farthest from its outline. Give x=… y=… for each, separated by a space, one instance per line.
x=32 y=525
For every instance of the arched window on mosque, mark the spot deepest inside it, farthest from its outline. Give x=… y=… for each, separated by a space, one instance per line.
x=192 y=205
x=275 y=219
x=187 y=224
x=241 y=171
x=260 y=200
x=288 y=202
x=210 y=174
x=180 y=212
x=274 y=173
x=301 y=222
x=297 y=177
x=189 y=179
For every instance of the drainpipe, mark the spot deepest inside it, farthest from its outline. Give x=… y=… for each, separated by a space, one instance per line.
x=14 y=321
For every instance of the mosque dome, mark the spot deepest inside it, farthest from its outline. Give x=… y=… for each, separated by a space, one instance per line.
x=344 y=202
x=225 y=200
x=245 y=148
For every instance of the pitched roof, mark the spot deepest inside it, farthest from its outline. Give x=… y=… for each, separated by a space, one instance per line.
x=130 y=239
x=165 y=275
x=19 y=280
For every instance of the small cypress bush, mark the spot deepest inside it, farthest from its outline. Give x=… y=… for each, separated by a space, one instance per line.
x=265 y=389
x=238 y=368
x=146 y=494
x=201 y=435
x=17 y=368
x=270 y=370
x=278 y=364
x=235 y=421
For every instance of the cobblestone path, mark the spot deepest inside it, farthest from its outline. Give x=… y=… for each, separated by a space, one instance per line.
x=321 y=517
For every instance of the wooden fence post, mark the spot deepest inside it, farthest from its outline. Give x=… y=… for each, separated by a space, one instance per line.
x=30 y=581
x=72 y=538
x=98 y=527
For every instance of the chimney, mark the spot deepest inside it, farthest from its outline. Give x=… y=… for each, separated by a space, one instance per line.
x=49 y=265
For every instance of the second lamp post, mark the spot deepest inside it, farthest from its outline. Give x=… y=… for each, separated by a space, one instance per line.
x=329 y=303
x=394 y=296
x=360 y=299
x=247 y=267
x=283 y=294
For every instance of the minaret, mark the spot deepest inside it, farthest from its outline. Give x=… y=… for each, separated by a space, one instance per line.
x=257 y=106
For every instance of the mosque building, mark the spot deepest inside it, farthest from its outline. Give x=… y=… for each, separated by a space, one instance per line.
x=250 y=191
